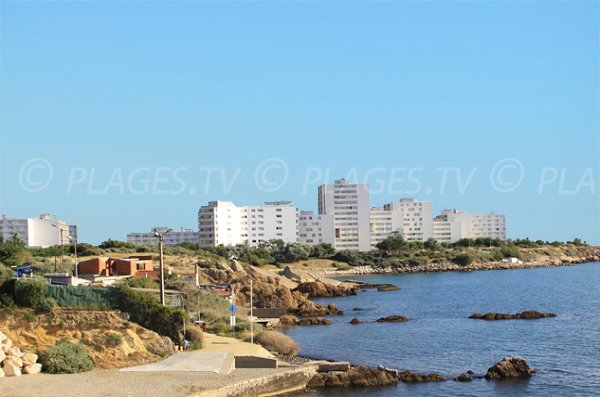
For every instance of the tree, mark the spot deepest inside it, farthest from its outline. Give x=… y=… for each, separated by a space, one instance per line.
x=391 y=244
x=431 y=244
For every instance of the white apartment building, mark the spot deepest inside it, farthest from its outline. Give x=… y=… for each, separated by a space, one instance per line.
x=453 y=225
x=172 y=238
x=315 y=229
x=348 y=203
x=220 y=223
x=223 y=223
x=43 y=231
x=408 y=217
x=275 y=220
x=384 y=223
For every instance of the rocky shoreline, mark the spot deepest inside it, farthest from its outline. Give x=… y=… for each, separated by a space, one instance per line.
x=452 y=267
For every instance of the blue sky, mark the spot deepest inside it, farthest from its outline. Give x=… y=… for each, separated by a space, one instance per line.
x=112 y=113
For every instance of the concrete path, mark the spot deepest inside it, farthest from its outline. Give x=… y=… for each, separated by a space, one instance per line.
x=196 y=361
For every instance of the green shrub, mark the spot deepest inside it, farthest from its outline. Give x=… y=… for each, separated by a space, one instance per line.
x=30 y=293
x=66 y=358
x=46 y=306
x=113 y=340
x=463 y=259
x=145 y=310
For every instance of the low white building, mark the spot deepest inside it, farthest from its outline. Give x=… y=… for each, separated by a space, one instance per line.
x=408 y=217
x=315 y=229
x=453 y=225
x=224 y=223
x=43 y=231
x=172 y=238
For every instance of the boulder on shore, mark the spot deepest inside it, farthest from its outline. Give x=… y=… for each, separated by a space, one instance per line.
x=359 y=376
x=509 y=367
x=526 y=315
x=394 y=318
x=413 y=377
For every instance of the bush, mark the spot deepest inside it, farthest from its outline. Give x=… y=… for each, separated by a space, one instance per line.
x=113 y=340
x=463 y=259
x=66 y=358
x=278 y=342
x=145 y=310
x=30 y=293
x=195 y=336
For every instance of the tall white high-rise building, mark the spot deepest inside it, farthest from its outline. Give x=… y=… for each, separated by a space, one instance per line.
x=172 y=238
x=43 y=231
x=315 y=229
x=348 y=203
x=220 y=223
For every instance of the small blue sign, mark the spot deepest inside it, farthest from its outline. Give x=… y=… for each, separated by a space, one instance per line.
x=233 y=308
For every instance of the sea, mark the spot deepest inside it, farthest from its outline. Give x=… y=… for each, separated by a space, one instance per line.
x=440 y=337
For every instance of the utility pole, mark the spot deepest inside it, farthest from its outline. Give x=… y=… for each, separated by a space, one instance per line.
x=61 y=250
x=75 y=247
x=251 y=316
x=160 y=234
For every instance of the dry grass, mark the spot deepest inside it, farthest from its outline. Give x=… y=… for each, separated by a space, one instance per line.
x=278 y=342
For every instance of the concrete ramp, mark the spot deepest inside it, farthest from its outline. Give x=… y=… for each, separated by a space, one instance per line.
x=198 y=361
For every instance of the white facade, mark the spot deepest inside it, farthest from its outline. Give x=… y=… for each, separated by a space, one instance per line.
x=453 y=225
x=223 y=223
x=383 y=224
x=276 y=220
x=43 y=231
x=417 y=218
x=315 y=229
x=171 y=238
x=220 y=223
x=348 y=203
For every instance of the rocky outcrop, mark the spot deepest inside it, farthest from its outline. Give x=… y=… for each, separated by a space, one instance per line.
x=359 y=376
x=526 y=315
x=13 y=362
x=509 y=367
x=392 y=319
x=318 y=289
x=464 y=377
x=356 y=321
x=387 y=287
x=413 y=377
x=313 y=321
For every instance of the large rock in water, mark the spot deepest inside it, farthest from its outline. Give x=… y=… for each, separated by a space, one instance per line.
x=355 y=321
x=413 y=377
x=526 y=315
x=392 y=319
x=358 y=376
x=509 y=367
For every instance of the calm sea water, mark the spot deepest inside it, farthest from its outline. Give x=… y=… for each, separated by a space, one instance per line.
x=565 y=350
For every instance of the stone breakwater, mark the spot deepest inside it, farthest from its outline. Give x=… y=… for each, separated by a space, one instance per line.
x=14 y=361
